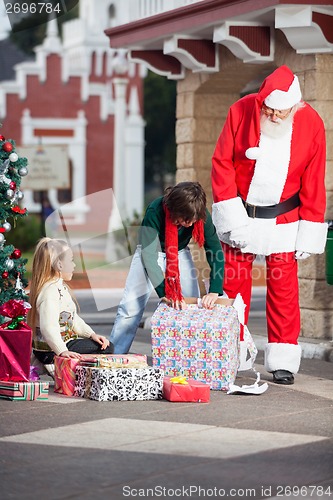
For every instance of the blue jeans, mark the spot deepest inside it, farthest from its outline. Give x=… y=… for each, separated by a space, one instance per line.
x=138 y=289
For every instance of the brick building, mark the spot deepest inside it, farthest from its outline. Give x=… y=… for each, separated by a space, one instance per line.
x=80 y=93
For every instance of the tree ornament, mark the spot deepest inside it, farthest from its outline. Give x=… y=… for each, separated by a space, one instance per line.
x=2 y=238
x=5 y=275
x=23 y=171
x=2 y=137
x=4 y=167
x=13 y=157
x=10 y=194
x=18 y=284
x=19 y=195
x=16 y=254
x=7 y=146
x=9 y=264
x=19 y=210
x=12 y=185
x=6 y=226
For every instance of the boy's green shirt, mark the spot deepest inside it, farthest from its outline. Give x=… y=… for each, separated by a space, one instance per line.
x=152 y=240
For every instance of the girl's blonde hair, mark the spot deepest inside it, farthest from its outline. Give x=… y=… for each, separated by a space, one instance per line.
x=44 y=268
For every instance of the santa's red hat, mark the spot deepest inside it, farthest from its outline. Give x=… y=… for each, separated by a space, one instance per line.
x=280 y=90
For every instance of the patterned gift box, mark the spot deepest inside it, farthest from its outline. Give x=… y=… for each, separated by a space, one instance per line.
x=64 y=375
x=119 y=384
x=193 y=391
x=24 y=391
x=197 y=343
x=115 y=361
x=65 y=368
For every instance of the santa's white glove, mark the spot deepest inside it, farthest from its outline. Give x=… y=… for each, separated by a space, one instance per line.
x=240 y=236
x=299 y=255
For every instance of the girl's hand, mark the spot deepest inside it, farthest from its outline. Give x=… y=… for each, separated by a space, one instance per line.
x=209 y=300
x=100 y=339
x=176 y=304
x=70 y=354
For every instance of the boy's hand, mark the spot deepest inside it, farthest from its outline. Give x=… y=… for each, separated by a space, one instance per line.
x=176 y=304
x=209 y=300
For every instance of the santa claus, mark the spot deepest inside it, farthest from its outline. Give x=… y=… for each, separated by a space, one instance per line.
x=269 y=199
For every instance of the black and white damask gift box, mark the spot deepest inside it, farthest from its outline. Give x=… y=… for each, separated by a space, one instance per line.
x=119 y=384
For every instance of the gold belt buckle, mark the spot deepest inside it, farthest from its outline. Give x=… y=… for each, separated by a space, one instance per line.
x=253 y=209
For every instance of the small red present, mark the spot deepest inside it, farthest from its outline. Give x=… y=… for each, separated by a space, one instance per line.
x=179 y=389
x=15 y=342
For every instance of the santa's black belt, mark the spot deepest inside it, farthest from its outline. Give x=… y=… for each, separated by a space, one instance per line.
x=271 y=211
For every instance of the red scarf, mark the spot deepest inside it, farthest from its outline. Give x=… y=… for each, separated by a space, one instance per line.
x=173 y=289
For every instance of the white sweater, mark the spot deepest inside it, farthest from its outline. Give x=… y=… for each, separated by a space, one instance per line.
x=57 y=317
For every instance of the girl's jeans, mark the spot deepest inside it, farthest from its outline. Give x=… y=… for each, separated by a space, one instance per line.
x=138 y=289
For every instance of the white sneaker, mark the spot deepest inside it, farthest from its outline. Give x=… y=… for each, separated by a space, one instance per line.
x=50 y=370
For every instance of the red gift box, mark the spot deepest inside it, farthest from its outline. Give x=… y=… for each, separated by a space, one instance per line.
x=23 y=391
x=15 y=342
x=192 y=392
x=15 y=353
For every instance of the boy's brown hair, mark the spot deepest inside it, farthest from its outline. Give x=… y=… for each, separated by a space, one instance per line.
x=187 y=201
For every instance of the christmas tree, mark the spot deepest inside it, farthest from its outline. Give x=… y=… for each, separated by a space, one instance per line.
x=12 y=265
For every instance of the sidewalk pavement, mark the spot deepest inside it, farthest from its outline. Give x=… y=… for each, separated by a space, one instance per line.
x=277 y=445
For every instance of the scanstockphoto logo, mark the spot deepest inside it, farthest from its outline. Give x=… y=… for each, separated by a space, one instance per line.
x=28 y=14
x=102 y=239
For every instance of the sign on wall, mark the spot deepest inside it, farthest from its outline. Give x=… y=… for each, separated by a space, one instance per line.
x=48 y=167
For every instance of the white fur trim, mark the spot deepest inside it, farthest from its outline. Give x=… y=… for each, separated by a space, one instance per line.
x=311 y=236
x=228 y=215
x=252 y=153
x=280 y=356
x=271 y=170
x=279 y=99
x=267 y=237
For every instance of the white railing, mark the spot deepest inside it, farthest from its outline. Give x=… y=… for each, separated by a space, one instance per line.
x=146 y=8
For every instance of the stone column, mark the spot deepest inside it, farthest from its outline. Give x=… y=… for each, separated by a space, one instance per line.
x=316 y=296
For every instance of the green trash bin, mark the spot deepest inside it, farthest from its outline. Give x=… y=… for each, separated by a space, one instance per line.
x=329 y=254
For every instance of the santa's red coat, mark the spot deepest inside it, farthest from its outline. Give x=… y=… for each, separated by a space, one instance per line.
x=285 y=166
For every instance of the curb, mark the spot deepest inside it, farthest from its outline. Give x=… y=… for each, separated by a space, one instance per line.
x=310 y=349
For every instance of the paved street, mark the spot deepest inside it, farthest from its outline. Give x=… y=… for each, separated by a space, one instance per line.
x=236 y=446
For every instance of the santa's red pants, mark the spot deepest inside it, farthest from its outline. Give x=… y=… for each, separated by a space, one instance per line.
x=282 y=305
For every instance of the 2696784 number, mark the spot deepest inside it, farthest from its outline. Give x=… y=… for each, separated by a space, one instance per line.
x=32 y=8
x=304 y=491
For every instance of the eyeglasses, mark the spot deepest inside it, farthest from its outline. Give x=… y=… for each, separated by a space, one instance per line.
x=280 y=113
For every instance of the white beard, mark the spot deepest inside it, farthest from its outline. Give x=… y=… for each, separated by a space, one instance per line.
x=275 y=129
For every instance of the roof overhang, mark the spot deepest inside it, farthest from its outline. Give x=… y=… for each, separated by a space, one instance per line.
x=189 y=36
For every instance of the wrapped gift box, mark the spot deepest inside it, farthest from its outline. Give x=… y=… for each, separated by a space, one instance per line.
x=64 y=375
x=65 y=368
x=115 y=360
x=15 y=353
x=23 y=391
x=119 y=384
x=193 y=391
x=197 y=343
